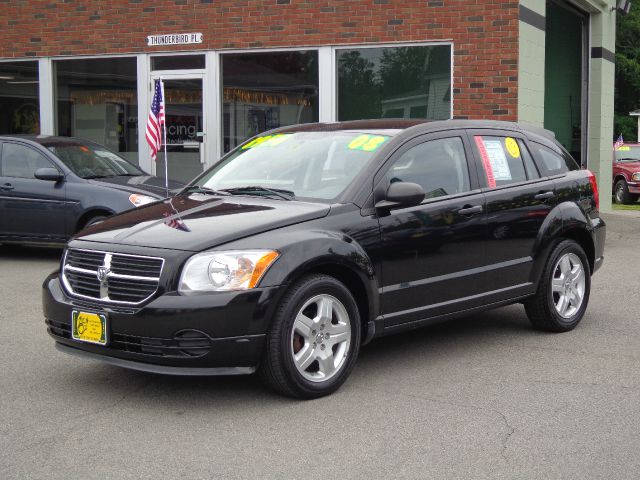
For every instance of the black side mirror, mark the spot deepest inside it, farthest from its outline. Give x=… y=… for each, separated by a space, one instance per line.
x=48 y=173
x=402 y=194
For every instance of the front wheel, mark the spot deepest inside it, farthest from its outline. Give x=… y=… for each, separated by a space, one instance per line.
x=563 y=292
x=314 y=339
x=93 y=220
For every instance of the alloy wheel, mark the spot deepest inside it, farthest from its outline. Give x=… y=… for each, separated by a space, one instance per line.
x=320 y=338
x=568 y=285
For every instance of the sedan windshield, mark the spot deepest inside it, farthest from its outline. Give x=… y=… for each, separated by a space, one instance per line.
x=90 y=160
x=628 y=153
x=314 y=165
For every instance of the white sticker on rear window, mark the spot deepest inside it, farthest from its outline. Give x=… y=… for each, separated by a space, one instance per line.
x=498 y=159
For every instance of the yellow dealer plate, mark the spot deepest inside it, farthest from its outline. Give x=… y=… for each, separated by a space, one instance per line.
x=89 y=327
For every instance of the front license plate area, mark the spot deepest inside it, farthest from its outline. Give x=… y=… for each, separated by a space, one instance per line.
x=89 y=327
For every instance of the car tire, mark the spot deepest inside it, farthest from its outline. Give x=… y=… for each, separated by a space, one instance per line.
x=94 y=220
x=314 y=339
x=621 y=193
x=563 y=292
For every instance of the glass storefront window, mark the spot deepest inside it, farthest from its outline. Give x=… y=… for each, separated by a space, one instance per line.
x=394 y=82
x=97 y=99
x=267 y=90
x=177 y=62
x=19 y=98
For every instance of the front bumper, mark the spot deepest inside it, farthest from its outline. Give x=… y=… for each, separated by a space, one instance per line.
x=215 y=334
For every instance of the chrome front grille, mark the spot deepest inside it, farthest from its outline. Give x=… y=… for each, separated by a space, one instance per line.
x=111 y=277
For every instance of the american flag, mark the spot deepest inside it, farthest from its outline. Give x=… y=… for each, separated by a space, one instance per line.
x=619 y=143
x=175 y=222
x=156 y=120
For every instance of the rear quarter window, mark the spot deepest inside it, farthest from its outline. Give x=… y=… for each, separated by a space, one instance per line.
x=553 y=161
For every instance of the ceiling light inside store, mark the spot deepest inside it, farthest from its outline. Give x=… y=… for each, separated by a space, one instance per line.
x=24 y=81
x=5 y=77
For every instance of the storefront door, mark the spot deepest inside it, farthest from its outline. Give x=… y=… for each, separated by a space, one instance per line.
x=185 y=127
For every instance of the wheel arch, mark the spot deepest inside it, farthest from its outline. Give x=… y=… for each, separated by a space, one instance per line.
x=619 y=176
x=89 y=214
x=337 y=255
x=565 y=221
x=583 y=238
x=353 y=278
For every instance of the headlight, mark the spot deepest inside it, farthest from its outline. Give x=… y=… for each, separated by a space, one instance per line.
x=138 y=200
x=222 y=271
x=636 y=177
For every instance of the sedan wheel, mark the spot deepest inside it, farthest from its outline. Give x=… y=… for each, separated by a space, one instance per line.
x=320 y=338
x=563 y=290
x=568 y=285
x=314 y=339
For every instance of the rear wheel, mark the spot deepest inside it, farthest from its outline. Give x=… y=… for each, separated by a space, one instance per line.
x=563 y=293
x=314 y=339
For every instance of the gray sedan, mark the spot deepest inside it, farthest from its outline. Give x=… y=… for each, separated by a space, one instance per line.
x=52 y=187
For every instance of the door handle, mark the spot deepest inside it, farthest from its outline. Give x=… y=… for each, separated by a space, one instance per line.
x=7 y=187
x=544 y=195
x=470 y=210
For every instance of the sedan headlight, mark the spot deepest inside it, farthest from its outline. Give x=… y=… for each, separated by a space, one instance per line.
x=636 y=177
x=223 y=271
x=138 y=200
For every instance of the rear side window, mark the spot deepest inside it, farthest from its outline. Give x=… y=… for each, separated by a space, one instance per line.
x=502 y=160
x=20 y=161
x=552 y=162
x=532 y=170
x=439 y=166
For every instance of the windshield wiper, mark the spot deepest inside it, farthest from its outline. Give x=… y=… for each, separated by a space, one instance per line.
x=276 y=192
x=205 y=190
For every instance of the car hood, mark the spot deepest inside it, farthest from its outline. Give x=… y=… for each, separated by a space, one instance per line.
x=139 y=184
x=197 y=222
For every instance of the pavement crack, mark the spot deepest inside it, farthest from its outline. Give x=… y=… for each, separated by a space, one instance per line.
x=507 y=436
x=510 y=431
x=117 y=402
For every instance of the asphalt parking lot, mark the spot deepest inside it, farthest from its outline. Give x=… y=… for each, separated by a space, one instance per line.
x=481 y=397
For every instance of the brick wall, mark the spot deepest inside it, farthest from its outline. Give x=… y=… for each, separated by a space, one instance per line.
x=484 y=32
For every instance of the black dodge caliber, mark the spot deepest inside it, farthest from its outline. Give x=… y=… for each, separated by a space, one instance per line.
x=306 y=242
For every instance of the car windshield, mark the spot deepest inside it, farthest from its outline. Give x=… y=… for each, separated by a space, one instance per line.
x=90 y=160
x=313 y=165
x=628 y=153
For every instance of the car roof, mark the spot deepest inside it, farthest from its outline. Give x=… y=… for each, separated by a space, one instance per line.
x=395 y=126
x=44 y=140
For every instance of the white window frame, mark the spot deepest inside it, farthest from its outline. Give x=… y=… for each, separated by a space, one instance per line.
x=212 y=87
x=337 y=48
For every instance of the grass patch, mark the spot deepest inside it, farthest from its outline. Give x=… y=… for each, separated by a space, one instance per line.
x=634 y=206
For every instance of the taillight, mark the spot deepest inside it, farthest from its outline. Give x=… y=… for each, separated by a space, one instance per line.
x=594 y=187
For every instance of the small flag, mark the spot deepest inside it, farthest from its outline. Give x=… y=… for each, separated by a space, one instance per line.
x=156 y=120
x=175 y=222
x=619 y=143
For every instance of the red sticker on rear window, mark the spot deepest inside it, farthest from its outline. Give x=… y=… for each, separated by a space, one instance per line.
x=491 y=181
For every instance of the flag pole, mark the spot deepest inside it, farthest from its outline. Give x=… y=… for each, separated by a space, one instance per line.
x=164 y=130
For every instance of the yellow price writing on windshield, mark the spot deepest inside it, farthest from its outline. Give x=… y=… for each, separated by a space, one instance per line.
x=368 y=143
x=267 y=141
